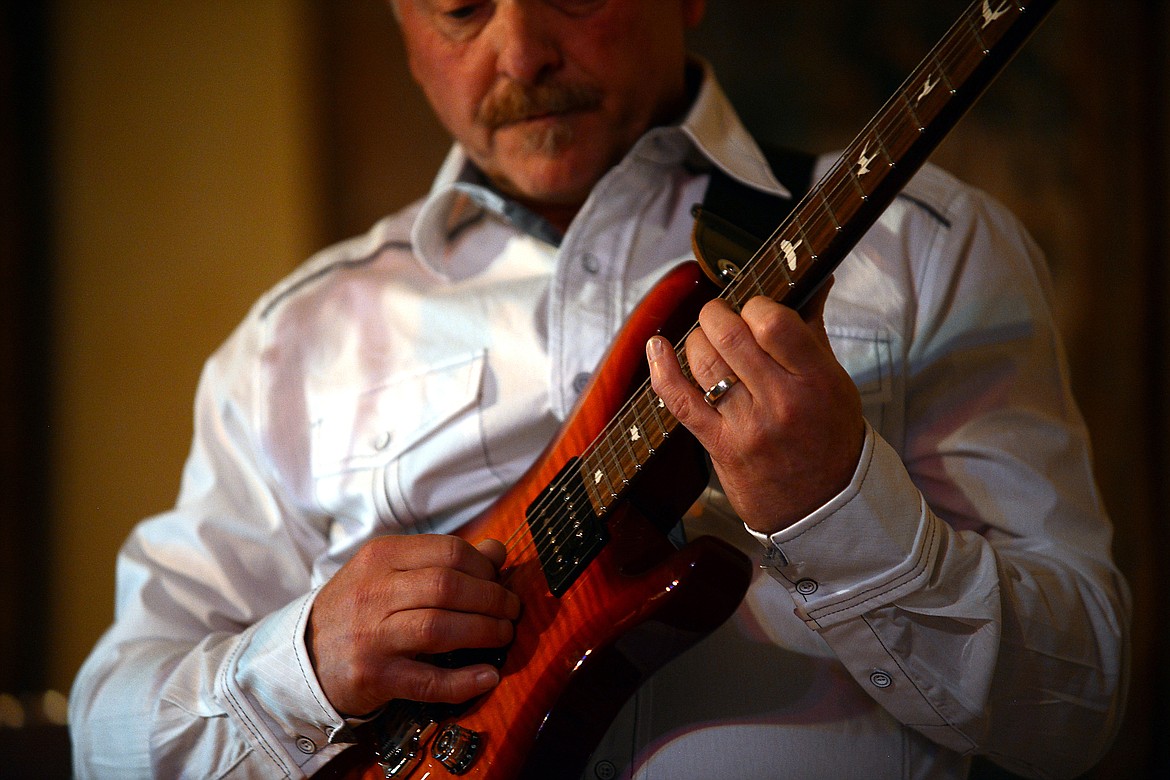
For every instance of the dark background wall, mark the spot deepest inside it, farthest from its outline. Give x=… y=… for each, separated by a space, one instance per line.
x=164 y=163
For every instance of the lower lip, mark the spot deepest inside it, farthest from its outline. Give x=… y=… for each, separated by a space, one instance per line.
x=543 y=119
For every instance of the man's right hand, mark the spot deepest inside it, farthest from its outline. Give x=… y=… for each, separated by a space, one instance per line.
x=402 y=596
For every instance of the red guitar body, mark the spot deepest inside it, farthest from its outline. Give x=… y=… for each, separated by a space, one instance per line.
x=578 y=657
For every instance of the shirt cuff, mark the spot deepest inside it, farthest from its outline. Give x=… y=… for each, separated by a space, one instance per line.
x=270 y=685
x=872 y=543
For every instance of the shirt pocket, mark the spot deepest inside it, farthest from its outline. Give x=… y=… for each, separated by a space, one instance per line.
x=870 y=358
x=359 y=434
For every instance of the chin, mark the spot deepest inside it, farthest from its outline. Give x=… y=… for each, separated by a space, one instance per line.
x=567 y=176
x=549 y=164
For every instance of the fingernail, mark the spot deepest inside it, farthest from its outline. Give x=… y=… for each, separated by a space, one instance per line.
x=488 y=678
x=506 y=631
x=654 y=347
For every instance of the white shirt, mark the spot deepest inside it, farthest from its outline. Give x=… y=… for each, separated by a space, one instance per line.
x=958 y=598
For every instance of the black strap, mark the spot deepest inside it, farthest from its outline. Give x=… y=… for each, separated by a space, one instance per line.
x=735 y=220
x=757 y=213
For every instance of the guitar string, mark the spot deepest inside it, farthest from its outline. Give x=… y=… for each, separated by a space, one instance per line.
x=840 y=181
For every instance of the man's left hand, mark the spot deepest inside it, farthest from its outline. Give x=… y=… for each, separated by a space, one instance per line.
x=786 y=437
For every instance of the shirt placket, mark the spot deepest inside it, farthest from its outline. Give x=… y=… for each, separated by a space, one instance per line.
x=585 y=311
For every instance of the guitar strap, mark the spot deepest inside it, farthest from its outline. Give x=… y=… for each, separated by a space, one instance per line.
x=735 y=220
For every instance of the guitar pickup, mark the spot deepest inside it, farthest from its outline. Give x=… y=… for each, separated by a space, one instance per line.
x=566 y=531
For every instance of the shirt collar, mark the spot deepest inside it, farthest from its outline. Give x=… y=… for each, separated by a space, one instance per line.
x=711 y=134
x=718 y=135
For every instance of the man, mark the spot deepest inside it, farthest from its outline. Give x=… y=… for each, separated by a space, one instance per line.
x=906 y=452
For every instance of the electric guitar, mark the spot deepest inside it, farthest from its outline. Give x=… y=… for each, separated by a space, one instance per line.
x=607 y=599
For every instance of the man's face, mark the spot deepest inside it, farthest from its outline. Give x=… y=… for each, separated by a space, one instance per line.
x=546 y=95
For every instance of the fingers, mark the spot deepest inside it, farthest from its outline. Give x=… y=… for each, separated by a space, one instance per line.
x=397 y=573
x=392 y=574
x=765 y=334
x=494 y=551
x=425 y=550
x=419 y=681
x=435 y=587
x=797 y=341
x=748 y=346
x=435 y=631
x=679 y=394
x=397 y=599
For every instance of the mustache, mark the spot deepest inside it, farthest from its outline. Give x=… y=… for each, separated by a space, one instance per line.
x=511 y=102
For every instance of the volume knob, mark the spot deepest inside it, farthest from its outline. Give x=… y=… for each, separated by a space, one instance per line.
x=456 y=748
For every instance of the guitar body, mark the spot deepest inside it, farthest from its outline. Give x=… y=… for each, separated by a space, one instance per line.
x=576 y=658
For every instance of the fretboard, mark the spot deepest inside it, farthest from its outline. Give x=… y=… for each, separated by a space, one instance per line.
x=829 y=221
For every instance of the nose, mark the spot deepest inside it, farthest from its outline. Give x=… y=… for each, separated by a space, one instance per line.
x=526 y=40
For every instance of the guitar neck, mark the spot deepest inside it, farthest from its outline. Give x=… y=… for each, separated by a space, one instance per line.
x=834 y=215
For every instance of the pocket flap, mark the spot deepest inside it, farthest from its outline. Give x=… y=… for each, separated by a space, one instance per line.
x=866 y=355
x=354 y=430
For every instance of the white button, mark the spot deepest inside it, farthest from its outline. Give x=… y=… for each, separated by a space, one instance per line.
x=590 y=263
x=382 y=441
x=580 y=381
x=807 y=587
x=306 y=745
x=880 y=679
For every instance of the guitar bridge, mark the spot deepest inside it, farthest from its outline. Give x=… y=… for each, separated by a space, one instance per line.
x=399 y=753
x=409 y=727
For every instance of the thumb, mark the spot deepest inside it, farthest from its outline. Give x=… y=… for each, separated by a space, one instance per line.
x=493 y=550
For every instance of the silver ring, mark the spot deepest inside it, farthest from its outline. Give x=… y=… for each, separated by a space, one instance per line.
x=718 y=389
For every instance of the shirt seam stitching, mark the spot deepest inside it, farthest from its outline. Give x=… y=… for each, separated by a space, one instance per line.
x=319 y=273
x=916 y=571
x=910 y=679
x=300 y=663
x=238 y=706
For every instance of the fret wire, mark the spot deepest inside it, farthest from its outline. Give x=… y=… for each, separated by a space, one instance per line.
x=651 y=415
x=681 y=354
x=829 y=208
x=782 y=265
x=900 y=136
x=880 y=138
x=804 y=239
x=973 y=26
x=733 y=292
x=638 y=407
x=604 y=467
x=589 y=466
x=943 y=75
x=656 y=408
x=751 y=276
x=913 y=114
x=619 y=445
x=974 y=48
x=775 y=268
x=628 y=425
x=756 y=279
